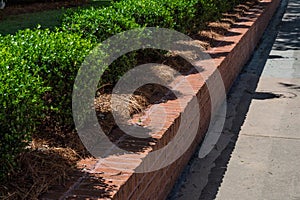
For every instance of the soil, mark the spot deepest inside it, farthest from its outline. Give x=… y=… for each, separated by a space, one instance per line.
x=52 y=158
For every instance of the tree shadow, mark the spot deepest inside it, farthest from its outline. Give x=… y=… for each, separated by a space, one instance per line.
x=48 y=174
x=290 y=86
x=265 y=95
x=240 y=25
x=155 y=94
x=210 y=33
x=212 y=41
x=92 y=186
x=212 y=168
x=249 y=93
x=218 y=55
x=290 y=31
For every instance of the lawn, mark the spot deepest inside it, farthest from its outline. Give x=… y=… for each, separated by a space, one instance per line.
x=47 y=19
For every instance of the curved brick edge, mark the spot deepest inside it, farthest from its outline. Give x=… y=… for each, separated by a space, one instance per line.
x=113 y=178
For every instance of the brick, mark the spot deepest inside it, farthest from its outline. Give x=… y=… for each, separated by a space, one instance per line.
x=228 y=60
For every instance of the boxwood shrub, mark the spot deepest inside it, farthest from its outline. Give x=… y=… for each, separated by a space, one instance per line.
x=183 y=12
x=98 y=24
x=38 y=67
x=32 y=63
x=56 y=57
x=21 y=104
x=151 y=13
x=212 y=9
x=101 y=23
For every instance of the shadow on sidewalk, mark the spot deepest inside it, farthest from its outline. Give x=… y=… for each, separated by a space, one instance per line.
x=202 y=177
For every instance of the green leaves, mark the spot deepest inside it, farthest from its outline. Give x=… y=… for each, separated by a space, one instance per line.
x=101 y=23
x=149 y=13
x=38 y=67
x=34 y=62
x=98 y=24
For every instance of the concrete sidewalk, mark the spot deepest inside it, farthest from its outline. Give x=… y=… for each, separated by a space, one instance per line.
x=266 y=161
x=258 y=153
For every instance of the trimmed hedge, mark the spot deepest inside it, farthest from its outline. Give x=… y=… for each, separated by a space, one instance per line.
x=212 y=9
x=98 y=24
x=183 y=12
x=21 y=104
x=32 y=63
x=181 y=15
x=125 y=15
x=38 y=67
x=149 y=13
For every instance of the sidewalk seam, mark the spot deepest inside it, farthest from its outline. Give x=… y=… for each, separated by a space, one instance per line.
x=275 y=137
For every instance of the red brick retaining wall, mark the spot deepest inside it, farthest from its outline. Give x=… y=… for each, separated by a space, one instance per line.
x=113 y=178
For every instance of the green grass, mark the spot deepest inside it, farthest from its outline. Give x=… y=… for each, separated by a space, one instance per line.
x=13 y=23
x=47 y=19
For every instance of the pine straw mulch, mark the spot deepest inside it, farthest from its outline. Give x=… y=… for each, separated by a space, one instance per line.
x=55 y=150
